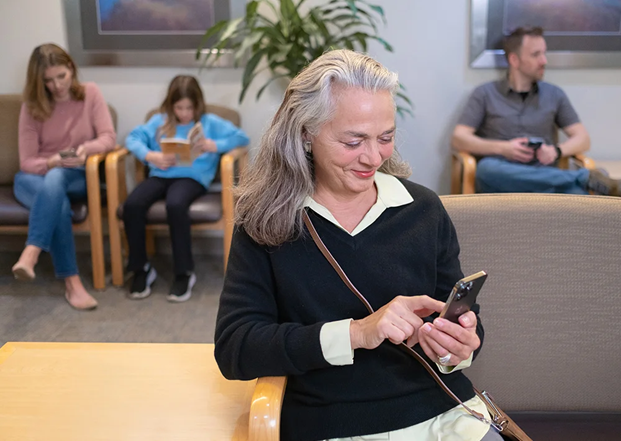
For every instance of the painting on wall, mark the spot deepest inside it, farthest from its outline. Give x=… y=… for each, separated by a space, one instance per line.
x=579 y=33
x=152 y=17
x=143 y=32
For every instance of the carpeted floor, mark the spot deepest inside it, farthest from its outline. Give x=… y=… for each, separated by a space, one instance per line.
x=38 y=311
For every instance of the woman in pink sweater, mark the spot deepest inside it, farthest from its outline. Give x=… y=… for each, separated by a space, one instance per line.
x=62 y=121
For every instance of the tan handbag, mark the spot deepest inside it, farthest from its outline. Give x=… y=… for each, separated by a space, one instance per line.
x=507 y=428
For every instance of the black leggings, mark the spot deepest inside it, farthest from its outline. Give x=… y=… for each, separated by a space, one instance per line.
x=179 y=194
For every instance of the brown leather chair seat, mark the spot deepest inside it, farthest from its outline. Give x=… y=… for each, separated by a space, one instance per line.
x=207 y=208
x=14 y=213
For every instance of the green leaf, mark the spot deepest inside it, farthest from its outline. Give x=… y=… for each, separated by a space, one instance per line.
x=249 y=72
x=377 y=9
x=387 y=46
x=369 y=17
x=343 y=17
x=321 y=26
x=361 y=38
x=246 y=44
x=401 y=111
x=210 y=32
x=272 y=7
x=352 y=5
x=273 y=33
x=260 y=92
x=353 y=24
x=404 y=97
x=230 y=29
x=251 y=10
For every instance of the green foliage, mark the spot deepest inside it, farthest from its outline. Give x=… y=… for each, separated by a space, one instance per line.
x=287 y=41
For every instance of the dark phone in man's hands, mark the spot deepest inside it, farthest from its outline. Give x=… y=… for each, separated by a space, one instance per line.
x=535 y=143
x=463 y=296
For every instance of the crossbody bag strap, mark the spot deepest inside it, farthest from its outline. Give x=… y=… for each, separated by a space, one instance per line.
x=326 y=253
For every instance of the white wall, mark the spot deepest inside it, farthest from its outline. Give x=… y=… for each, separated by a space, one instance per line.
x=430 y=40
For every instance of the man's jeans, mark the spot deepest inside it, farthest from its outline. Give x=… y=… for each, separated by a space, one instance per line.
x=49 y=226
x=497 y=175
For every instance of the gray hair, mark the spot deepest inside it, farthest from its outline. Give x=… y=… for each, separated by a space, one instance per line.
x=273 y=189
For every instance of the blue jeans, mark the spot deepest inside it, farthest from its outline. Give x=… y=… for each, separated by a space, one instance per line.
x=49 y=200
x=497 y=175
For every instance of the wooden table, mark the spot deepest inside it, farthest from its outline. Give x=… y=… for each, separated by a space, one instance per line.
x=110 y=391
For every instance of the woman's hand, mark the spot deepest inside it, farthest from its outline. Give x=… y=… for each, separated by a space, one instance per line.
x=396 y=321
x=160 y=160
x=444 y=337
x=53 y=161
x=75 y=161
x=206 y=145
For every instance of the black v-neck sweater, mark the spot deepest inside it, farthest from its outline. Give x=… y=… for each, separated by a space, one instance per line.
x=276 y=299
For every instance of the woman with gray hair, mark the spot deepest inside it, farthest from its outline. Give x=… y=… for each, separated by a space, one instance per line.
x=329 y=153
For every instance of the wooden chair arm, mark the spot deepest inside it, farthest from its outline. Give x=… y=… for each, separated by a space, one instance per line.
x=463 y=173
x=227 y=176
x=235 y=154
x=115 y=179
x=265 y=409
x=584 y=161
x=93 y=183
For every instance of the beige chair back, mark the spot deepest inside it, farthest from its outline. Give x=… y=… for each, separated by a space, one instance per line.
x=10 y=106
x=551 y=305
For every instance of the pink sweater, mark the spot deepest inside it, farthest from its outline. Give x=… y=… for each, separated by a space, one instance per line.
x=72 y=123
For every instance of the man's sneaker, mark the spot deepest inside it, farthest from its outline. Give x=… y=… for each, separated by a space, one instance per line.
x=181 y=289
x=141 y=284
x=600 y=183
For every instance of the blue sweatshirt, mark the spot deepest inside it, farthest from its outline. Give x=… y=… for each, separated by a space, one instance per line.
x=145 y=138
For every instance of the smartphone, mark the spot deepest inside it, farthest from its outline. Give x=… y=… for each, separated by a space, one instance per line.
x=463 y=296
x=67 y=154
x=535 y=143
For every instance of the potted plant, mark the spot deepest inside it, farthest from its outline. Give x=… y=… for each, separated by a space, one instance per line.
x=287 y=40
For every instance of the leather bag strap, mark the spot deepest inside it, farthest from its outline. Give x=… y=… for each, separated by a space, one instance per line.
x=326 y=253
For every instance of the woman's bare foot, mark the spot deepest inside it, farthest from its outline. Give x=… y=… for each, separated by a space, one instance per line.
x=24 y=268
x=76 y=294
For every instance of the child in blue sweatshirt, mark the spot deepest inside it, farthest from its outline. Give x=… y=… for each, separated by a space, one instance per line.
x=183 y=107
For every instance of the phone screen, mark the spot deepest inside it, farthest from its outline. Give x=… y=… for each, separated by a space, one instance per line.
x=463 y=296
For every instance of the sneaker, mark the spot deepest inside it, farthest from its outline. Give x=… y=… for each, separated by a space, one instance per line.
x=600 y=183
x=181 y=289
x=141 y=284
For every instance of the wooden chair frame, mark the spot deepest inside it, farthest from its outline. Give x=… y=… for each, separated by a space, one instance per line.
x=117 y=194
x=265 y=409
x=92 y=224
x=464 y=170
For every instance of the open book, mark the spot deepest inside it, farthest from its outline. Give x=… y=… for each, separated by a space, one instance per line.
x=185 y=150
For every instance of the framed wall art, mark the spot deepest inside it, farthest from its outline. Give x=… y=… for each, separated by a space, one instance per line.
x=143 y=32
x=578 y=33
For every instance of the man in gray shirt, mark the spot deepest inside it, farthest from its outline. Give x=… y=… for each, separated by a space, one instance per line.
x=501 y=118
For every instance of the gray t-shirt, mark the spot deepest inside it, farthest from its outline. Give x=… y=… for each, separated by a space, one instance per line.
x=497 y=112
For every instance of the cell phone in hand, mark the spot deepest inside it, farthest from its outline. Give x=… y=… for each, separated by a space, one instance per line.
x=535 y=143
x=67 y=154
x=463 y=296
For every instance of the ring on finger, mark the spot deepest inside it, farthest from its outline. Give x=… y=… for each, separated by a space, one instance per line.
x=445 y=360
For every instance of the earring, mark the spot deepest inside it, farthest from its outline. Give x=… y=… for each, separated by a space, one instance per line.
x=307 y=146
